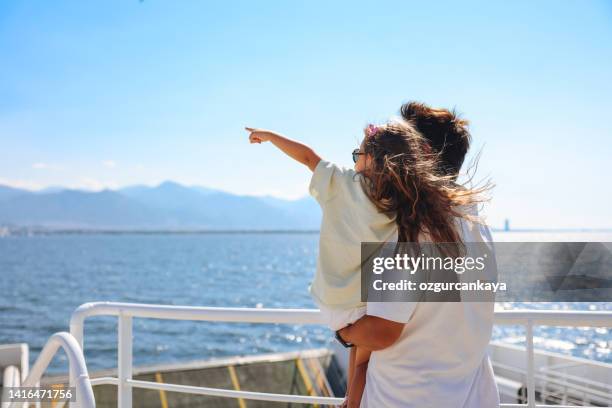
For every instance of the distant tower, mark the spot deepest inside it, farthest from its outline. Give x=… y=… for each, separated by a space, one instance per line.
x=506 y=224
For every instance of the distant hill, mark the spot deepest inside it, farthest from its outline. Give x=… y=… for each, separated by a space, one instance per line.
x=9 y=192
x=167 y=206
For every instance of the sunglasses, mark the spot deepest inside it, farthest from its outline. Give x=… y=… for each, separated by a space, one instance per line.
x=356 y=154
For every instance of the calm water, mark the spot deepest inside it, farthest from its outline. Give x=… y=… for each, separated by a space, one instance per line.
x=43 y=278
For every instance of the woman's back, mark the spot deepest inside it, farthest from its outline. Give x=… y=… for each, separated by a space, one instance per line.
x=440 y=358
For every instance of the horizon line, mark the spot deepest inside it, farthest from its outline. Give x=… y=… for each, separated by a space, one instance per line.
x=195 y=231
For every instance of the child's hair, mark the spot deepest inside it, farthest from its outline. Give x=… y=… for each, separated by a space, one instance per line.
x=403 y=180
x=447 y=134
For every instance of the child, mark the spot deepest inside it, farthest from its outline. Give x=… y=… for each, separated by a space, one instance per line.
x=395 y=192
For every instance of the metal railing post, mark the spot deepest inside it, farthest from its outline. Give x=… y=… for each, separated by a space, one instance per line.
x=76 y=329
x=124 y=363
x=530 y=366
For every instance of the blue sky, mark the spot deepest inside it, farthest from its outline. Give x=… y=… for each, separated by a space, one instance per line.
x=110 y=93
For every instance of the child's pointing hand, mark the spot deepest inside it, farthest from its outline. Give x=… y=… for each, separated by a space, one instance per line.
x=258 y=135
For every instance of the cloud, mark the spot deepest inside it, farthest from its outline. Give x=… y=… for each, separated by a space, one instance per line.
x=91 y=184
x=82 y=183
x=45 y=166
x=109 y=164
x=23 y=184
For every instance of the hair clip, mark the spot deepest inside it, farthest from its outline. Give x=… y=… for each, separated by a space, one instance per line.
x=371 y=130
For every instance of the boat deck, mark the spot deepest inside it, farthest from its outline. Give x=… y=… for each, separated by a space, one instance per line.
x=309 y=372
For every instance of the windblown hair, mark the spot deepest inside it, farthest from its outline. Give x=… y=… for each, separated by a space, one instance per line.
x=447 y=134
x=403 y=180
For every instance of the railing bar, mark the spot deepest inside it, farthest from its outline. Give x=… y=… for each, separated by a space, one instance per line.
x=561 y=365
x=588 y=385
x=115 y=381
x=261 y=396
x=124 y=364
x=105 y=381
x=530 y=366
x=312 y=316
x=555 y=381
x=251 y=395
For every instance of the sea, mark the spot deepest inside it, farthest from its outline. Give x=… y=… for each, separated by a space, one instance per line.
x=44 y=277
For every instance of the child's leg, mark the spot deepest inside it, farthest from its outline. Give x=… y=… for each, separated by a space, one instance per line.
x=351 y=373
x=360 y=358
x=351 y=369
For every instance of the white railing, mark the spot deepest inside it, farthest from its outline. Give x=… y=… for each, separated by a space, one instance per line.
x=11 y=377
x=79 y=378
x=126 y=311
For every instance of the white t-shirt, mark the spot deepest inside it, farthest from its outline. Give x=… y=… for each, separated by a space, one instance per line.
x=349 y=218
x=440 y=359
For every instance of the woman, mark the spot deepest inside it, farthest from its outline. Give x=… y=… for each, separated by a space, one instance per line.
x=430 y=354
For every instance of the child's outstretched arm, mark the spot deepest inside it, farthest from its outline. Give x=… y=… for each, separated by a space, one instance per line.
x=291 y=148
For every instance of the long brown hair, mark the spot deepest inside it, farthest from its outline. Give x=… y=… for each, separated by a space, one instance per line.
x=446 y=132
x=403 y=180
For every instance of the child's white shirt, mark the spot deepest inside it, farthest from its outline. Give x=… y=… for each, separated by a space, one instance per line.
x=349 y=218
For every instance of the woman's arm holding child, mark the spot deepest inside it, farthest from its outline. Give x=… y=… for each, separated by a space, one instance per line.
x=296 y=150
x=372 y=332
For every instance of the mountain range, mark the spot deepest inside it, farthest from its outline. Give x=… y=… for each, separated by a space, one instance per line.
x=168 y=206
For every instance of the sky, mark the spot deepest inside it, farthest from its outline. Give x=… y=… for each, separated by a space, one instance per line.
x=104 y=94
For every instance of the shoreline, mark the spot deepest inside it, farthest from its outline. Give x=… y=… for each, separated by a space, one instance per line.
x=9 y=231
